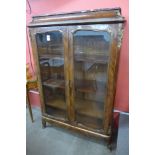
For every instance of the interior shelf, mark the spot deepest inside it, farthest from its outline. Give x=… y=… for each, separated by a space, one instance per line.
x=89 y=108
x=51 y=45
x=89 y=86
x=85 y=86
x=102 y=59
x=51 y=55
x=90 y=123
x=57 y=112
x=84 y=107
x=54 y=83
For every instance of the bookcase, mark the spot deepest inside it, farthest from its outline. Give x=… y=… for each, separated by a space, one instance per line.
x=76 y=55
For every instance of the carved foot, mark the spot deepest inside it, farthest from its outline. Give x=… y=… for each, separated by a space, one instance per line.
x=43 y=123
x=110 y=147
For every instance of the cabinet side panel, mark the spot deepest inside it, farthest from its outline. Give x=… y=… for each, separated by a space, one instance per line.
x=35 y=56
x=112 y=77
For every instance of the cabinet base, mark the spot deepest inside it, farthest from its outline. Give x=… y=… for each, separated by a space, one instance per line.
x=73 y=128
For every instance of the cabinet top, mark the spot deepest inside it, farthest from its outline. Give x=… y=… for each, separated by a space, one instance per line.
x=108 y=15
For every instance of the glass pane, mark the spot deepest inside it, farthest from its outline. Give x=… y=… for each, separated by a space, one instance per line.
x=91 y=55
x=51 y=57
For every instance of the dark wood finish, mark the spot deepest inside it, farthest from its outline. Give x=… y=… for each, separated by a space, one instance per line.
x=74 y=128
x=35 y=56
x=66 y=47
x=118 y=9
x=111 y=86
x=86 y=114
x=71 y=79
x=93 y=16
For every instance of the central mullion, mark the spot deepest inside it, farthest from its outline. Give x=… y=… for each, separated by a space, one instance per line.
x=71 y=76
x=66 y=70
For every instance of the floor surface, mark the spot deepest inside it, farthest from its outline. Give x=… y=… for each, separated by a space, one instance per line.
x=56 y=141
x=123 y=136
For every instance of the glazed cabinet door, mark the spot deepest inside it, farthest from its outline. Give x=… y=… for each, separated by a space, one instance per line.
x=51 y=51
x=92 y=74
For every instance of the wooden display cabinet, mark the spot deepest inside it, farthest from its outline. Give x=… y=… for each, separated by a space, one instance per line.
x=76 y=55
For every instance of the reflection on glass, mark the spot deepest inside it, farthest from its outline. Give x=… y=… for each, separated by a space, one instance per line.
x=91 y=55
x=51 y=57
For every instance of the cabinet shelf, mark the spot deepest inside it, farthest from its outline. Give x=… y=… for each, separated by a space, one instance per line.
x=85 y=107
x=89 y=108
x=50 y=45
x=89 y=86
x=54 y=83
x=90 y=123
x=85 y=86
x=49 y=56
x=92 y=58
